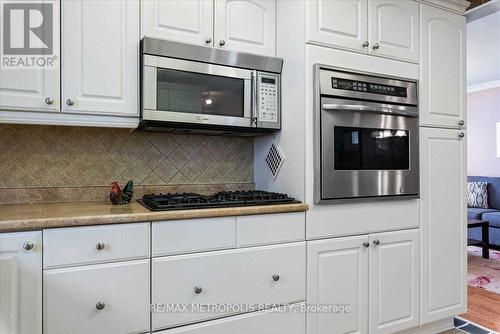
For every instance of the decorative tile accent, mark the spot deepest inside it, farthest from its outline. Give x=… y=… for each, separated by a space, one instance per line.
x=56 y=156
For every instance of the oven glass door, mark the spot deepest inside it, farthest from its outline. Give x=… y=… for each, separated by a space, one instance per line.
x=191 y=92
x=367 y=154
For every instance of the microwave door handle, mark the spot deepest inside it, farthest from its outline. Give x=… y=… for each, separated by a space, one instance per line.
x=254 y=116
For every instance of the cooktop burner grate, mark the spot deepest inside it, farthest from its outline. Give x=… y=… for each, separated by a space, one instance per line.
x=163 y=202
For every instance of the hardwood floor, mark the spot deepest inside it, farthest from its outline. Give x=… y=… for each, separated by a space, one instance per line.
x=483 y=308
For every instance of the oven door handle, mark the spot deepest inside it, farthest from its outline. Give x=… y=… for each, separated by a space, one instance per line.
x=360 y=107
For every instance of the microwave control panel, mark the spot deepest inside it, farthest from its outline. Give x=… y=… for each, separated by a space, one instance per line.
x=268 y=98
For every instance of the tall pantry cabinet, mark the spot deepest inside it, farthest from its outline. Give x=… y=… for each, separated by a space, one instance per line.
x=443 y=218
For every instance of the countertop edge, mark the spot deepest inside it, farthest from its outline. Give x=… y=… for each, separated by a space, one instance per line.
x=32 y=224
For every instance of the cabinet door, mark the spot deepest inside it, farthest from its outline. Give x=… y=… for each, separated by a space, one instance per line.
x=109 y=298
x=24 y=88
x=443 y=223
x=394 y=28
x=100 y=57
x=338 y=23
x=21 y=282
x=337 y=274
x=442 y=68
x=246 y=25
x=189 y=21
x=394 y=281
x=287 y=319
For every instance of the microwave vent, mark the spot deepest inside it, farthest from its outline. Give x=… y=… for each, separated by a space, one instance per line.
x=274 y=159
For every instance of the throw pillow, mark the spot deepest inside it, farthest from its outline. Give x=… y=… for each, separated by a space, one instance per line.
x=477 y=195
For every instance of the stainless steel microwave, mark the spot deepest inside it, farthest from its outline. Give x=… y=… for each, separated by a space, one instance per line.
x=197 y=88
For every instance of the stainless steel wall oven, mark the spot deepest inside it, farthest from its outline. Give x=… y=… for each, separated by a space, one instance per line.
x=366 y=137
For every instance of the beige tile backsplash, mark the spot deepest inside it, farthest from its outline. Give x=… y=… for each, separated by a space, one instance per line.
x=56 y=156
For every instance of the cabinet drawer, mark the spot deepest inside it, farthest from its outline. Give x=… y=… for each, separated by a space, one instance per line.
x=273 y=228
x=79 y=245
x=193 y=235
x=71 y=297
x=283 y=320
x=242 y=276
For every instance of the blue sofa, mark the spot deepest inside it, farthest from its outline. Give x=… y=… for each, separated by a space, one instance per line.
x=492 y=215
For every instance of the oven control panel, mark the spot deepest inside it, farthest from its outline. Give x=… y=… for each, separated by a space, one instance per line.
x=268 y=98
x=368 y=87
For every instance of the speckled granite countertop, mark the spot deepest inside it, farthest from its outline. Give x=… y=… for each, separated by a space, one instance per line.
x=23 y=217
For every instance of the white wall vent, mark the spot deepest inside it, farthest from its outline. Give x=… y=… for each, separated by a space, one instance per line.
x=274 y=159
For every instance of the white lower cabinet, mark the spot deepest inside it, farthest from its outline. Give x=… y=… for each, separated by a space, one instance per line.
x=21 y=282
x=260 y=275
x=374 y=278
x=443 y=215
x=283 y=320
x=104 y=298
x=394 y=281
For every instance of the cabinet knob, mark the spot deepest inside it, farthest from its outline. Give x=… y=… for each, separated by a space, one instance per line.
x=366 y=244
x=198 y=290
x=28 y=245
x=461 y=123
x=365 y=44
x=276 y=277
x=376 y=242
x=208 y=40
x=49 y=100
x=376 y=46
x=100 y=305
x=70 y=102
x=222 y=42
x=461 y=135
x=100 y=245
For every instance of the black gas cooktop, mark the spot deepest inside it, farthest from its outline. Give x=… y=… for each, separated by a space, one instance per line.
x=223 y=199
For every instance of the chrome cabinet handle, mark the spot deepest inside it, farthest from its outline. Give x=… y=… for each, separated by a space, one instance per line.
x=222 y=42
x=376 y=242
x=208 y=40
x=100 y=245
x=49 y=100
x=100 y=305
x=365 y=44
x=461 y=123
x=28 y=245
x=276 y=277
x=366 y=244
x=461 y=135
x=376 y=46
x=198 y=290
x=70 y=102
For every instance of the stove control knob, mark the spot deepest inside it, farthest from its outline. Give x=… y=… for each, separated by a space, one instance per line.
x=198 y=290
x=276 y=277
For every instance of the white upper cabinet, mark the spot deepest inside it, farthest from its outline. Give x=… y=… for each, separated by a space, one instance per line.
x=393 y=28
x=442 y=68
x=388 y=28
x=100 y=69
x=443 y=215
x=188 y=21
x=246 y=25
x=21 y=282
x=394 y=281
x=338 y=23
x=31 y=89
x=337 y=274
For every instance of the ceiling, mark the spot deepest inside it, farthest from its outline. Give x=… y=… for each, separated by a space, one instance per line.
x=483 y=49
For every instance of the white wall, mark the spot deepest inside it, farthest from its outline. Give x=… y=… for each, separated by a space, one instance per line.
x=483 y=112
